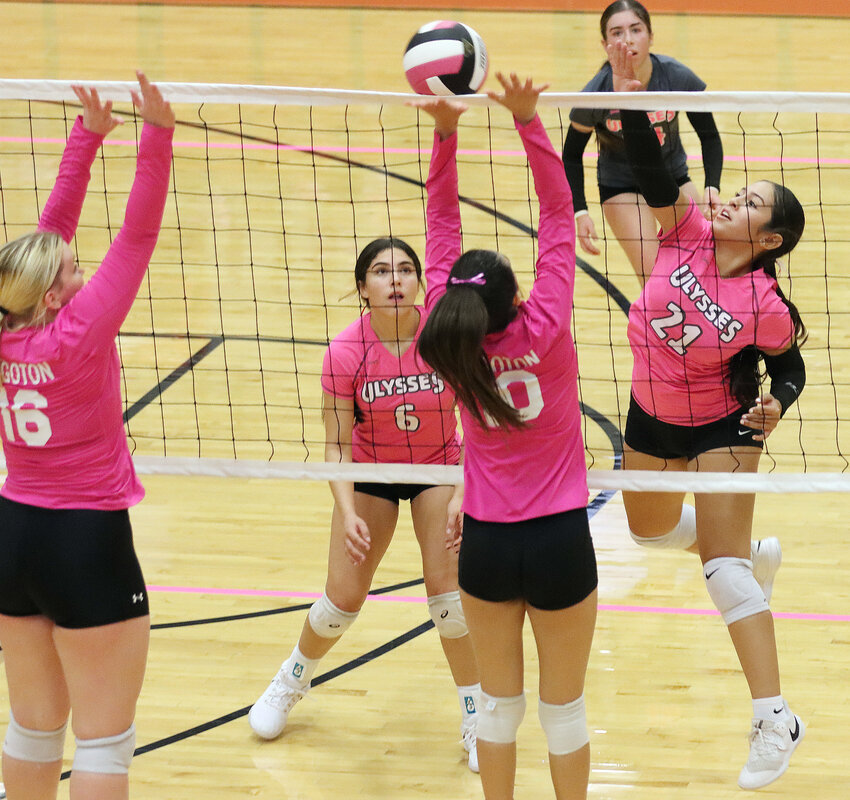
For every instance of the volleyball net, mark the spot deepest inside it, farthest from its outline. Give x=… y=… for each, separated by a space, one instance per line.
x=275 y=191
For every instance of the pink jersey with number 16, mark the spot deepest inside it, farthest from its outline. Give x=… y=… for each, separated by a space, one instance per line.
x=60 y=398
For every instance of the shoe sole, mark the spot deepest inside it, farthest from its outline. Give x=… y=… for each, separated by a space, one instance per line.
x=786 y=761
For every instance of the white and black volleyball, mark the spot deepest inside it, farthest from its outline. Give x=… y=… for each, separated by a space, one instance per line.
x=445 y=58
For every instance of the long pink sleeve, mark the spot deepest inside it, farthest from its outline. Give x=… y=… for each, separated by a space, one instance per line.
x=61 y=214
x=551 y=300
x=443 y=238
x=100 y=307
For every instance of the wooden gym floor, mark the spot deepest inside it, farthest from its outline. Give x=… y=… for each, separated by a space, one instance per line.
x=233 y=564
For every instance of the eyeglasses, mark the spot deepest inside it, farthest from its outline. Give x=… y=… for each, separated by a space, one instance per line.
x=382 y=271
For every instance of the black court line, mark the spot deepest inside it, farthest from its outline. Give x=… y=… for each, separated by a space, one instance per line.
x=172 y=378
x=324 y=678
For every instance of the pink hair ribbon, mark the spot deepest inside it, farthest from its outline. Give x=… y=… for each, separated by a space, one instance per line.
x=476 y=279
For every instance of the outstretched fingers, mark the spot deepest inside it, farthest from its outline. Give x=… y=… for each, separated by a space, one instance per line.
x=150 y=103
x=446 y=113
x=97 y=116
x=519 y=97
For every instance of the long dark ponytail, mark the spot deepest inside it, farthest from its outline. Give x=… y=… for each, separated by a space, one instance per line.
x=787 y=219
x=478 y=300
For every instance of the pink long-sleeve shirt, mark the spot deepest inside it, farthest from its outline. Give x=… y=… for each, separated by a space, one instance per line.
x=517 y=474
x=60 y=398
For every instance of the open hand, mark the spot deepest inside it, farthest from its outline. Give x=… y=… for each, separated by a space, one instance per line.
x=151 y=106
x=97 y=117
x=520 y=98
x=445 y=112
x=622 y=68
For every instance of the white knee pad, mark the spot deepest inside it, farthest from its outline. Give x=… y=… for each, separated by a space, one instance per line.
x=733 y=589
x=680 y=538
x=447 y=613
x=565 y=725
x=327 y=620
x=110 y=755
x=499 y=718
x=29 y=745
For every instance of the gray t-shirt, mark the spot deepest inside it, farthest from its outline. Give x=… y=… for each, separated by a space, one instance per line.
x=668 y=75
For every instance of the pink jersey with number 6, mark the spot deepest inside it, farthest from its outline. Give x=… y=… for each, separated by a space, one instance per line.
x=404 y=413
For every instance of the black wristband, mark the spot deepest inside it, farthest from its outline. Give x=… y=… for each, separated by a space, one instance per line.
x=787 y=373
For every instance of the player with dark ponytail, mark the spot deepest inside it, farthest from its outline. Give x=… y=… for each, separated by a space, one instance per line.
x=709 y=305
x=525 y=547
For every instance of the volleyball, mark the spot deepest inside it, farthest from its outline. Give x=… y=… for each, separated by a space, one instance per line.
x=445 y=58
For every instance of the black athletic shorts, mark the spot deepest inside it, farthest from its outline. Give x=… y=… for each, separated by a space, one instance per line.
x=394 y=492
x=76 y=567
x=606 y=192
x=646 y=434
x=547 y=561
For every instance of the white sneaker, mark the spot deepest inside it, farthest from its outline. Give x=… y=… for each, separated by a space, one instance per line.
x=470 y=743
x=267 y=716
x=771 y=746
x=766 y=556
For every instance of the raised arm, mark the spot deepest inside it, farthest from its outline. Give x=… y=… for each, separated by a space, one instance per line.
x=443 y=237
x=712 y=155
x=663 y=196
x=105 y=300
x=553 y=288
x=61 y=214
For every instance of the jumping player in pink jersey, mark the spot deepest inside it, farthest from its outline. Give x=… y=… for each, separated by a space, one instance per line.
x=525 y=546
x=74 y=620
x=382 y=404
x=710 y=304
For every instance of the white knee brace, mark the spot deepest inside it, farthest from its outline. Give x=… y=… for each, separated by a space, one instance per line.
x=327 y=620
x=733 y=589
x=30 y=745
x=680 y=538
x=447 y=613
x=110 y=755
x=499 y=718
x=565 y=725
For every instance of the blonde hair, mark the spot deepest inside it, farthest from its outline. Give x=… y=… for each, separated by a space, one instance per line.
x=29 y=266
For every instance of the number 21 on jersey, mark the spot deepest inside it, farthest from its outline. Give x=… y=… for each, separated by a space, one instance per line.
x=690 y=333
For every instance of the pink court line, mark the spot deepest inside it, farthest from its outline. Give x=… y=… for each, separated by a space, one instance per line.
x=391 y=150
x=396 y=598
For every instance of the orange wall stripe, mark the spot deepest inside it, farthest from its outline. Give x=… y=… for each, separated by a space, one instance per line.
x=818 y=8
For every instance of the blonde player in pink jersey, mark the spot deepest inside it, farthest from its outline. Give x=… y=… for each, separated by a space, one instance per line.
x=525 y=546
x=382 y=404
x=74 y=620
x=710 y=301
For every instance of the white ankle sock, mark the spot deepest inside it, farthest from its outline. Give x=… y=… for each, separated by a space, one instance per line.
x=772 y=709
x=468 y=697
x=298 y=668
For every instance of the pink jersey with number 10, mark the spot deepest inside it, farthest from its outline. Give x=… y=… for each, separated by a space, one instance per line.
x=60 y=398
x=518 y=474
x=688 y=323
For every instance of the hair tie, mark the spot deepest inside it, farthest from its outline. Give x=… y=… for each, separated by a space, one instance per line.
x=478 y=280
